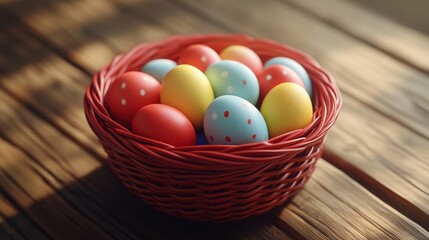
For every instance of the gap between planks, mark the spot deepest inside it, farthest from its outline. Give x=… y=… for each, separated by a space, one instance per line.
x=12 y=209
x=405 y=54
x=45 y=174
x=388 y=196
x=11 y=18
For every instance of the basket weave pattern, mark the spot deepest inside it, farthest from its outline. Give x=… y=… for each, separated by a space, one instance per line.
x=217 y=183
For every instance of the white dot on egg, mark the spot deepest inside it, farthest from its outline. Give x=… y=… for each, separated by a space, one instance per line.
x=203 y=59
x=225 y=74
x=268 y=77
x=230 y=89
x=285 y=72
x=123 y=85
x=123 y=101
x=142 y=92
x=214 y=116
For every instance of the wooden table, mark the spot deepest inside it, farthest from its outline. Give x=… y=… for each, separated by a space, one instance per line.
x=373 y=180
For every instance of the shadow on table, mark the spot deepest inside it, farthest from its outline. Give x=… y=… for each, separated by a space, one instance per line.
x=100 y=198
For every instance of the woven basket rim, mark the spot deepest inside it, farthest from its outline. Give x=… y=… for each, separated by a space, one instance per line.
x=327 y=103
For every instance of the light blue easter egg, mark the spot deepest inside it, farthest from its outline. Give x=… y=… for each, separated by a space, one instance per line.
x=229 y=77
x=158 y=68
x=233 y=120
x=296 y=67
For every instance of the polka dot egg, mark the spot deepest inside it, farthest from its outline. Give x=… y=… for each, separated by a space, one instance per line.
x=233 y=120
x=229 y=77
x=199 y=56
x=273 y=76
x=130 y=92
x=296 y=67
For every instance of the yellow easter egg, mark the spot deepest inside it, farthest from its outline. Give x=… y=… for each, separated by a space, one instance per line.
x=286 y=107
x=187 y=89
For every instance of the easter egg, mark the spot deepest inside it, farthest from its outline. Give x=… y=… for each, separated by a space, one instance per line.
x=233 y=78
x=233 y=120
x=201 y=138
x=286 y=107
x=244 y=55
x=296 y=67
x=187 y=89
x=199 y=56
x=129 y=93
x=165 y=124
x=158 y=68
x=273 y=76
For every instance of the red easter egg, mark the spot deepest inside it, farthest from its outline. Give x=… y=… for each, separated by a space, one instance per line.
x=130 y=92
x=244 y=55
x=273 y=76
x=165 y=124
x=199 y=56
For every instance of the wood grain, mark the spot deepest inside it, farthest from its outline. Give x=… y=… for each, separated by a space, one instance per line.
x=7 y=230
x=38 y=162
x=89 y=39
x=15 y=180
x=330 y=204
x=45 y=83
x=388 y=153
x=411 y=13
x=402 y=43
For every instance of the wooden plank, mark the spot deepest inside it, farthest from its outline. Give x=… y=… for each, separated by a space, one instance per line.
x=89 y=39
x=27 y=166
x=332 y=206
x=412 y=13
x=77 y=37
x=403 y=43
x=44 y=82
x=388 y=153
x=7 y=213
x=15 y=176
x=16 y=223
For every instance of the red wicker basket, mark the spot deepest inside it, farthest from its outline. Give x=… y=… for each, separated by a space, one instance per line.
x=217 y=183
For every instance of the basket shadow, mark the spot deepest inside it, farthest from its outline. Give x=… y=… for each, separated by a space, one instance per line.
x=125 y=212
